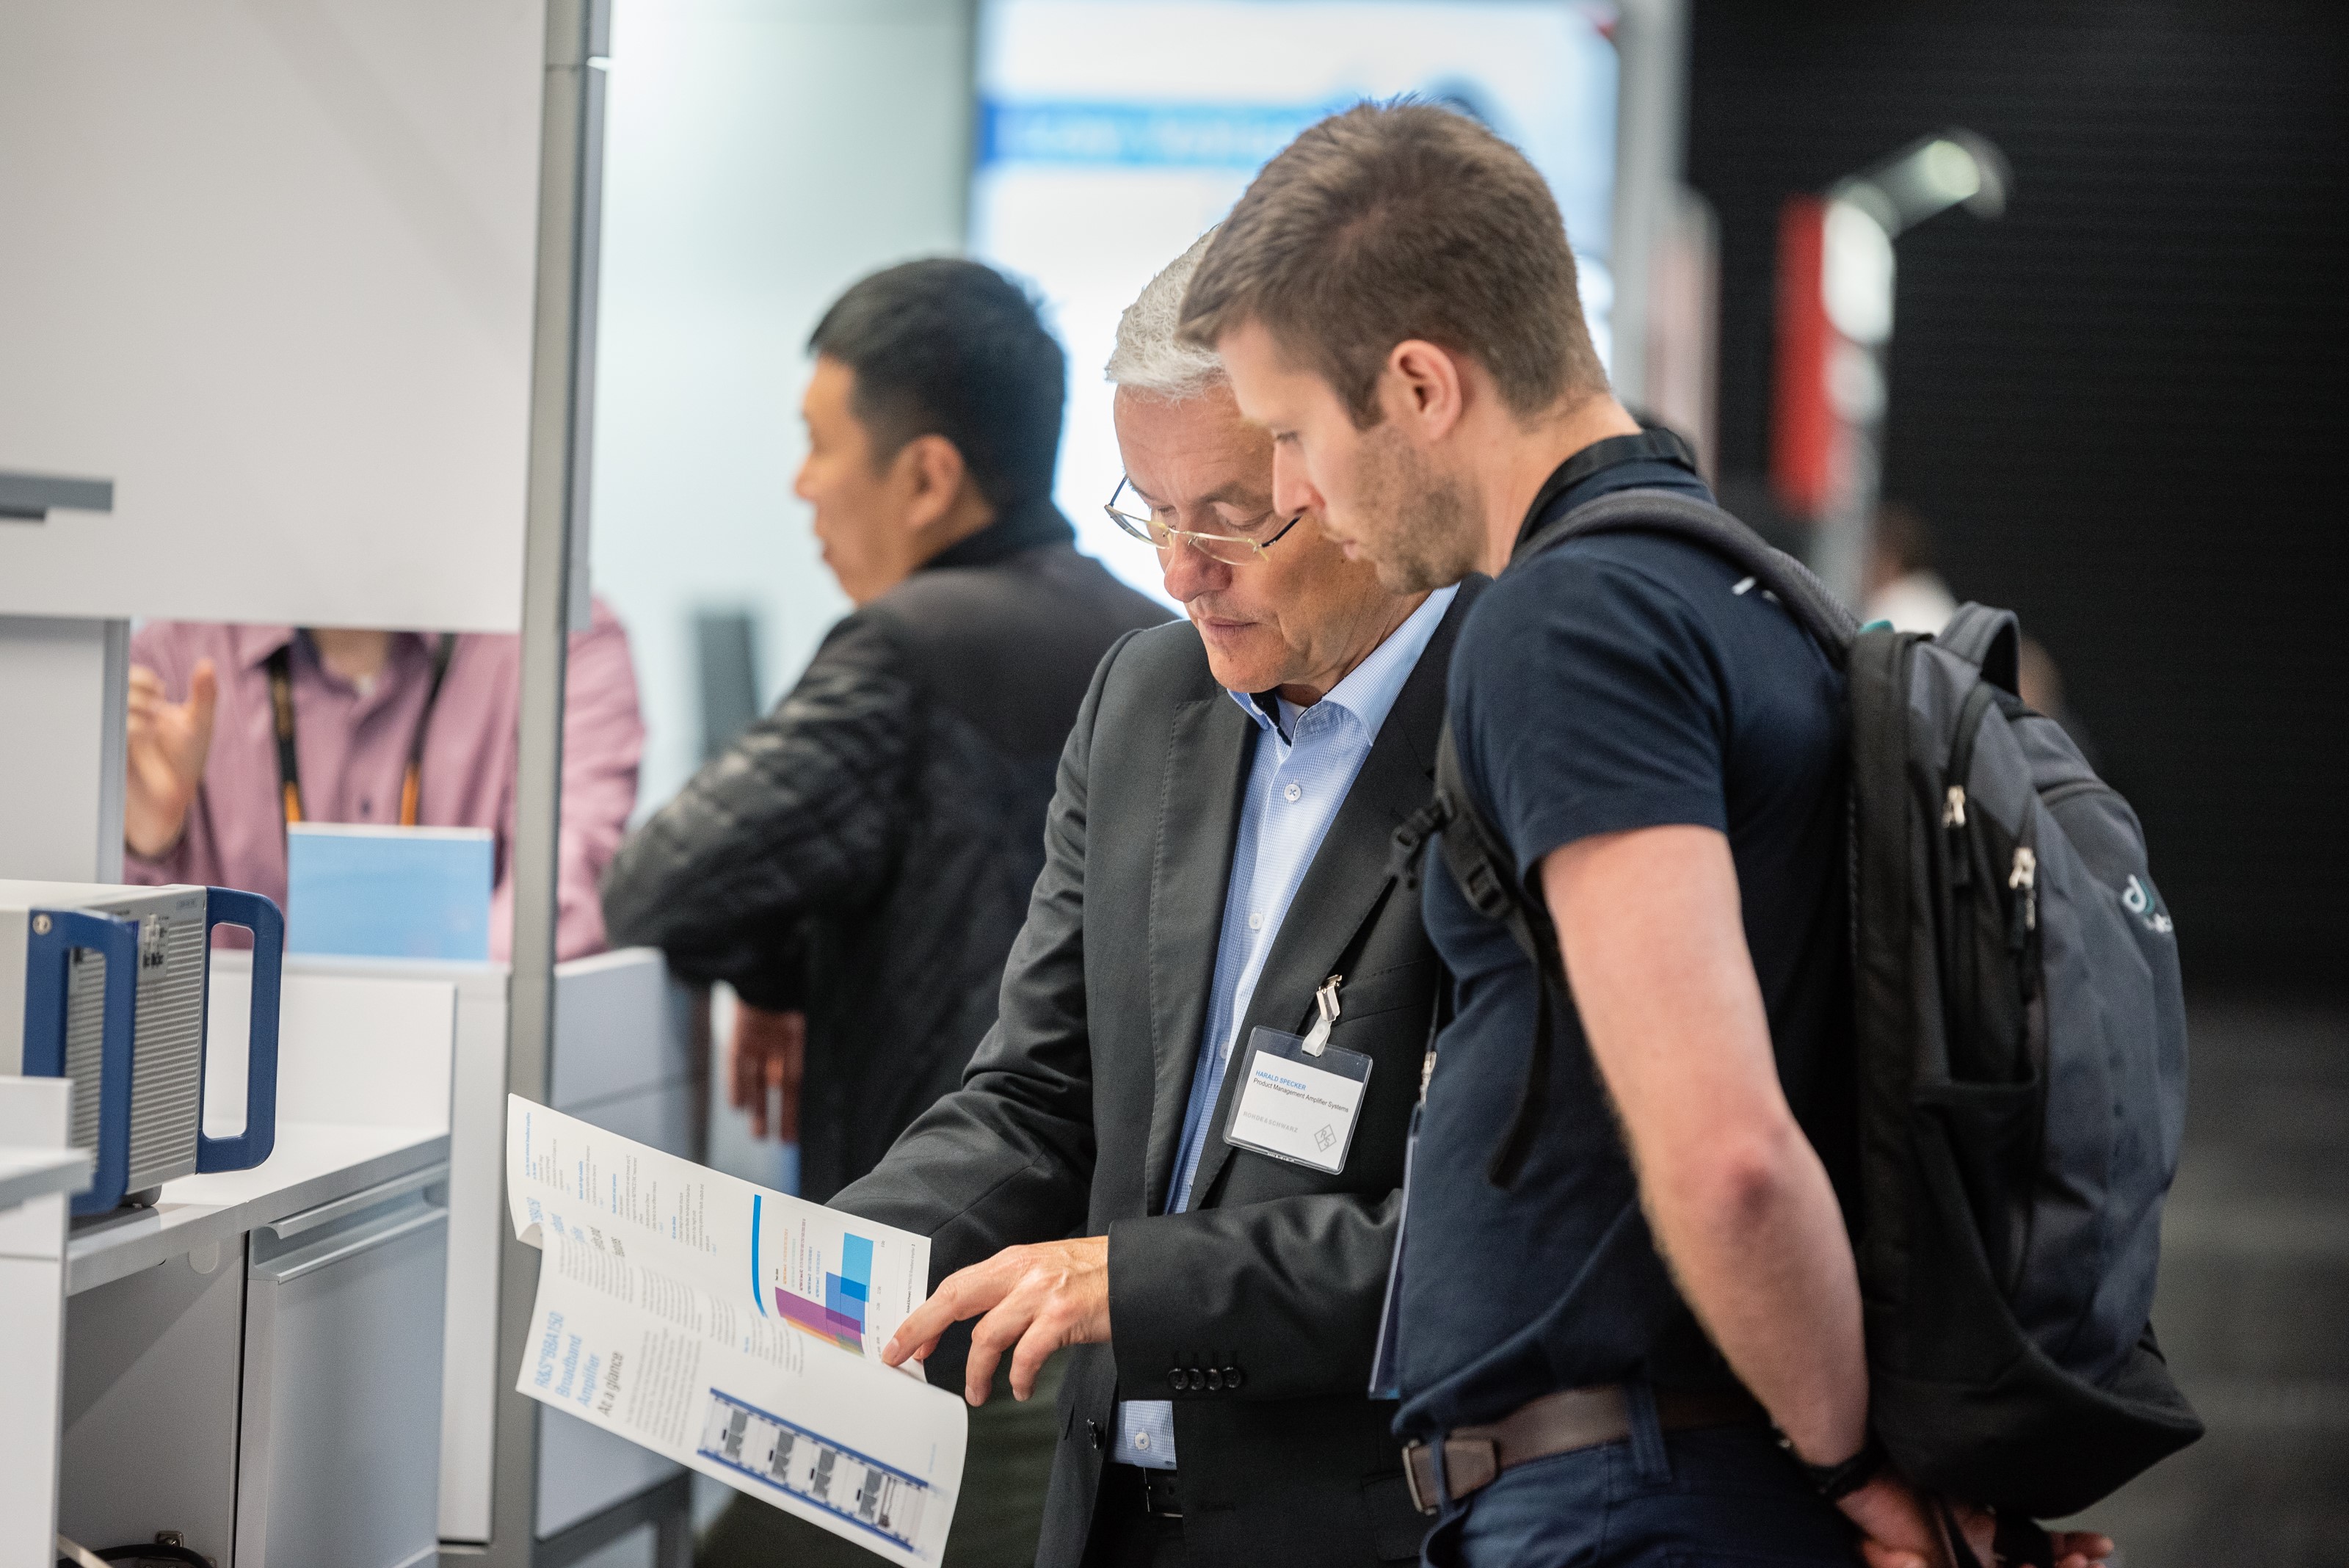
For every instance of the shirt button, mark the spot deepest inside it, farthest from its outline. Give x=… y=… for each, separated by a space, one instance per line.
x=1294 y=793
x=1255 y=922
x=1142 y=1442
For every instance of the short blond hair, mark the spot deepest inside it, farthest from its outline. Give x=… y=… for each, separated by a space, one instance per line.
x=1396 y=221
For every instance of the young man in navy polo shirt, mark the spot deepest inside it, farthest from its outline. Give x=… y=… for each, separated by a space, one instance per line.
x=1661 y=1291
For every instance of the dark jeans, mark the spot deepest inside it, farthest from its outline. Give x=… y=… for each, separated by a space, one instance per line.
x=998 y=1516
x=1719 y=1495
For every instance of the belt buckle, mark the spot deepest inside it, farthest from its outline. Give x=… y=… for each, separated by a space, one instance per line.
x=1414 y=1455
x=1478 y=1460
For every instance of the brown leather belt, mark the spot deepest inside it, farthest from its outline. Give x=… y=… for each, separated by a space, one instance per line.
x=1560 y=1423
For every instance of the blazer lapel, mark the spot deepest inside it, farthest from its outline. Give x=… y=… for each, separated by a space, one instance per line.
x=1349 y=872
x=1198 y=823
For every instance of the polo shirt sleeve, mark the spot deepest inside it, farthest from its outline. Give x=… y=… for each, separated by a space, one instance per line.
x=1595 y=702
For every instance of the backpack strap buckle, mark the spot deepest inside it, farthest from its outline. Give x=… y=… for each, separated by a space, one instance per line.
x=1484 y=890
x=1411 y=836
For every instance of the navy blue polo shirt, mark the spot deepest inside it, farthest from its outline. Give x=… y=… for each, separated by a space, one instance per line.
x=1611 y=683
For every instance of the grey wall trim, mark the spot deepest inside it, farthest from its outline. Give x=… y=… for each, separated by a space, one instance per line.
x=29 y=497
x=114 y=751
x=578 y=35
x=1650 y=134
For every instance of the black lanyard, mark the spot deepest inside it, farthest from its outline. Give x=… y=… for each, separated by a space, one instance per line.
x=289 y=767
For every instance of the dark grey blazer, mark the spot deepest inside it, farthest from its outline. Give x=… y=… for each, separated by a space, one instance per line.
x=1068 y=1120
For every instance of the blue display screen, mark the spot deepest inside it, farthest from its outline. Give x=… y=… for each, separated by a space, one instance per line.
x=1111 y=133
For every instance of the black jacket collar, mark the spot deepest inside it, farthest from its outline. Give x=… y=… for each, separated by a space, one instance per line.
x=1026 y=526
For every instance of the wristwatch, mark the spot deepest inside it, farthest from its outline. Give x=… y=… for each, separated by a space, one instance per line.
x=1835 y=1482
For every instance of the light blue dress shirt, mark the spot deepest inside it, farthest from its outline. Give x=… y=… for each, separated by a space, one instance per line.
x=1302 y=768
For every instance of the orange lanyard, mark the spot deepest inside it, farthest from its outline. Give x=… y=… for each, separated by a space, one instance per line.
x=289 y=767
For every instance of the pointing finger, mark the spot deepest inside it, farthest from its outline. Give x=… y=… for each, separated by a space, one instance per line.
x=949 y=1304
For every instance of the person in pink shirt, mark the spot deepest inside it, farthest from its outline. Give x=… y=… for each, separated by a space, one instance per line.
x=373 y=742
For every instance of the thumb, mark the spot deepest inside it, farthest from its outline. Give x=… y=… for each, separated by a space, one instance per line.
x=203 y=691
x=203 y=694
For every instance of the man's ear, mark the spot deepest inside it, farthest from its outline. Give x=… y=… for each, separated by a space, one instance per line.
x=1425 y=386
x=931 y=468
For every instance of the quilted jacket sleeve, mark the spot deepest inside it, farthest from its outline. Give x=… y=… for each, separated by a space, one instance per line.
x=801 y=815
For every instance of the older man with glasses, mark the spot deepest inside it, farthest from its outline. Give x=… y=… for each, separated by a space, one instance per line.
x=1179 y=1154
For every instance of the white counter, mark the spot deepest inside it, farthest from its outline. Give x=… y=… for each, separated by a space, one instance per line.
x=313 y=1163
x=29 y=1173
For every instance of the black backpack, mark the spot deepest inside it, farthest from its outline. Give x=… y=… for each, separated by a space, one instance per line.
x=2020 y=1043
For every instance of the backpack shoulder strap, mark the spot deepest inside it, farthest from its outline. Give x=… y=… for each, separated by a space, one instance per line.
x=1991 y=639
x=1478 y=858
x=1814 y=609
x=1479 y=861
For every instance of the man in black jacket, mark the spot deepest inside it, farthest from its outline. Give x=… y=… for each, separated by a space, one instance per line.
x=862 y=857
x=1216 y=863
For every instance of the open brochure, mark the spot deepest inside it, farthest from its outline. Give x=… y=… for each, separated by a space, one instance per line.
x=735 y=1330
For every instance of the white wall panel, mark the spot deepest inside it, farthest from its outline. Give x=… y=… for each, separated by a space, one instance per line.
x=269 y=268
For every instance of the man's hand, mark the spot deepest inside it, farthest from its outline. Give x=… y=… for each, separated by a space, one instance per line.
x=769 y=1056
x=1899 y=1531
x=1036 y=1299
x=169 y=743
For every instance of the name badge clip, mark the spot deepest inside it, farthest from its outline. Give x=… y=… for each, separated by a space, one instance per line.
x=1326 y=1000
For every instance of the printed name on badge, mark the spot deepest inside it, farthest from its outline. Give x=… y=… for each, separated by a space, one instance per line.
x=1297 y=1110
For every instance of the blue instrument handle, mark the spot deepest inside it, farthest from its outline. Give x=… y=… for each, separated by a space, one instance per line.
x=230 y=907
x=48 y=966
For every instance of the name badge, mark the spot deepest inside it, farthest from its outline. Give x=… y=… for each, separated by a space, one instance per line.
x=1301 y=1097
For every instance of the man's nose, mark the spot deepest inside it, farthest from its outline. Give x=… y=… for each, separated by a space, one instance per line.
x=1190 y=572
x=1293 y=492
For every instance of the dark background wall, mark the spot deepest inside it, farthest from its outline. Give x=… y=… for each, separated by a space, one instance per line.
x=2114 y=406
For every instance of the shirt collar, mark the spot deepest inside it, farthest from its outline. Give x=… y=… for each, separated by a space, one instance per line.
x=254 y=644
x=1369 y=689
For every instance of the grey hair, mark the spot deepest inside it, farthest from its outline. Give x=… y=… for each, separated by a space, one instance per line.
x=1151 y=357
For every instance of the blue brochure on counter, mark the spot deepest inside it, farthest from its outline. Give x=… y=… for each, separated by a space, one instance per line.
x=387 y=892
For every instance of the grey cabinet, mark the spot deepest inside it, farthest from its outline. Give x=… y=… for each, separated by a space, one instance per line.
x=151 y=1405
x=340 y=1434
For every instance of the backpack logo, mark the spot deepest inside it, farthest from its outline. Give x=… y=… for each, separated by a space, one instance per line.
x=2141 y=901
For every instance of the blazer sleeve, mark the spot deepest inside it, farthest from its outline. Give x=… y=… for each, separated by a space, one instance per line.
x=1008 y=1157
x=1287 y=1291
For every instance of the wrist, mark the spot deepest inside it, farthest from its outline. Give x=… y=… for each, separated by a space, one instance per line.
x=152 y=839
x=1834 y=1481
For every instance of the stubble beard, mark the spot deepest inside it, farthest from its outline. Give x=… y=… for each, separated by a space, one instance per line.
x=1419 y=526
